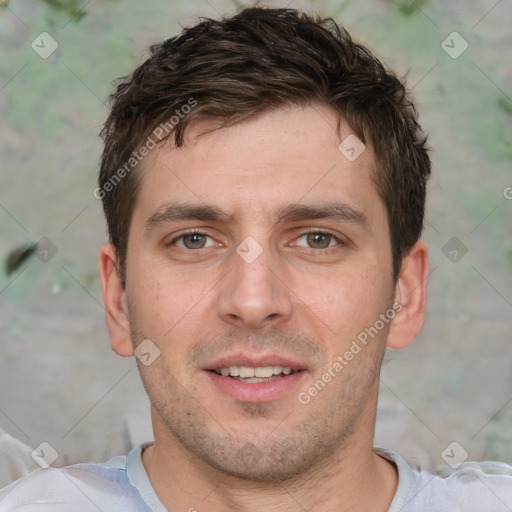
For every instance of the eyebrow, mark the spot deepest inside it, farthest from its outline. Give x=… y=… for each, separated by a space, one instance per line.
x=289 y=213
x=186 y=211
x=335 y=211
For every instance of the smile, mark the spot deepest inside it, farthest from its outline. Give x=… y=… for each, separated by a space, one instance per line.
x=255 y=374
x=256 y=383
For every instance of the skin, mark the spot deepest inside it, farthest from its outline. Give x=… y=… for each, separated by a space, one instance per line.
x=304 y=297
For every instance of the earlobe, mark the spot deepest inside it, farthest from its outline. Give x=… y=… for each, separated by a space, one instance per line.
x=114 y=299
x=410 y=293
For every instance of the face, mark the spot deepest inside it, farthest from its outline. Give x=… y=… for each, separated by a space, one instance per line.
x=261 y=248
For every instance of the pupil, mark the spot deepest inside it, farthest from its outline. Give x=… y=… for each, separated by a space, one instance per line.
x=193 y=237
x=313 y=239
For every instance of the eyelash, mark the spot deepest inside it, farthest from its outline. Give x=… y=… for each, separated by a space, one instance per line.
x=186 y=233
x=307 y=232
x=322 y=232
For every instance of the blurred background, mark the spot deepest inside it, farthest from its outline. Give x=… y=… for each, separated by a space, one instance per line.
x=59 y=381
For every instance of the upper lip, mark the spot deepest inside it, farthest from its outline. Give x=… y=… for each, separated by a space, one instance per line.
x=254 y=361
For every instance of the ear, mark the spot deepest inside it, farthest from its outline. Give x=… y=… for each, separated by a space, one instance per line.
x=411 y=293
x=114 y=299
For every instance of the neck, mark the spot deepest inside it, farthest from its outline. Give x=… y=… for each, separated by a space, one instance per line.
x=352 y=478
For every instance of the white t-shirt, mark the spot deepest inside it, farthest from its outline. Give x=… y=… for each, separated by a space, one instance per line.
x=15 y=459
x=122 y=485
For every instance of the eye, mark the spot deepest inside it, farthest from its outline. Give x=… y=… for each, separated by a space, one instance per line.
x=320 y=239
x=191 y=240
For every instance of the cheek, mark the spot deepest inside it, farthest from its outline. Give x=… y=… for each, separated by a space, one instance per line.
x=166 y=305
x=347 y=303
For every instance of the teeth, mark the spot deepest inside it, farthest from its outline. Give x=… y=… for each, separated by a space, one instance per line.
x=253 y=380
x=245 y=372
x=261 y=372
x=264 y=371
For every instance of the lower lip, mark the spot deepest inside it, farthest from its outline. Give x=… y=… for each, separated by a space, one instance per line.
x=257 y=391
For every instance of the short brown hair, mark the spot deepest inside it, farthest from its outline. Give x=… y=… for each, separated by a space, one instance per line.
x=258 y=59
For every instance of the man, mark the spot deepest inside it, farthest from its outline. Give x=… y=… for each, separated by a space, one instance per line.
x=263 y=181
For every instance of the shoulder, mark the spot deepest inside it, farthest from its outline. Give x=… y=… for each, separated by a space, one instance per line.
x=15 y=461
x=84 y=487
x=470 y=487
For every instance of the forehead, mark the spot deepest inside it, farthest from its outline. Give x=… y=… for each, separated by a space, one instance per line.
x=286 y=156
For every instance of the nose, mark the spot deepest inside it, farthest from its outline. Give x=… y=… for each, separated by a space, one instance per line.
x=254 y=294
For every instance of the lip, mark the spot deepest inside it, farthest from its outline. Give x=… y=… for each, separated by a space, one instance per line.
x=254 y=362
x=256 y=392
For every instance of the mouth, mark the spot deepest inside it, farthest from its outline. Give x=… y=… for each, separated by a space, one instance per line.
x=253 y=375
x=256 y=379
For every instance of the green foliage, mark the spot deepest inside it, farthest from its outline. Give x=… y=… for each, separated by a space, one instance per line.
x=408 y=7
x=505 y=105
x=72 y=8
